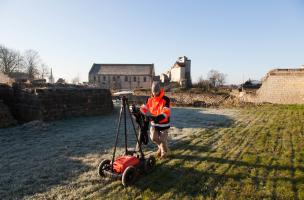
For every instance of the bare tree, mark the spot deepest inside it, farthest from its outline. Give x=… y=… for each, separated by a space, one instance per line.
x=32 y=63
x=221 y=79
x=205 y=85
x=10 y=60
x=216 y=78
x=44 y=71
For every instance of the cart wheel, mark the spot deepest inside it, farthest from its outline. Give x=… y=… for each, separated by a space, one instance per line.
x=150 y=164
x=104 y=165
x=128 y=176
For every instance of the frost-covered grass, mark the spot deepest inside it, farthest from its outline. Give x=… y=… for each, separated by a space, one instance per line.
x=250 y=153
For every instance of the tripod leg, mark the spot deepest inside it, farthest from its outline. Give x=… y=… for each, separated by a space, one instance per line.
x=125 y=123
x=139 y=145
x=117 y=133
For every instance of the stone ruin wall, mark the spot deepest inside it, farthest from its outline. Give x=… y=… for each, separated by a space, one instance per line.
x=6 y=118
x=281 y=86
x=56 y=103
x=50 y=104
x=183 y=98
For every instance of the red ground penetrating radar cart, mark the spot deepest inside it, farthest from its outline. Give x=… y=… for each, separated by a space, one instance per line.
x=133 y=163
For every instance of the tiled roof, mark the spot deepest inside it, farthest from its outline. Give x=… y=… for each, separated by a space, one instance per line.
x=123 y=69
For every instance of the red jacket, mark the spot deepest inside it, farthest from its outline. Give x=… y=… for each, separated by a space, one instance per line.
x=159 y=108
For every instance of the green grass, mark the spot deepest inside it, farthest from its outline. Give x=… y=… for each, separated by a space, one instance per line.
x=260 y=156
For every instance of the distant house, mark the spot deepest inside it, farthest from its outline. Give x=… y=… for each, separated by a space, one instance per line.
x=122 y=76
x=60 y=81
x=251 y=84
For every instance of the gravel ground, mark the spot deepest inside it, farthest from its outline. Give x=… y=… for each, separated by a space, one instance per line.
x=58 y=160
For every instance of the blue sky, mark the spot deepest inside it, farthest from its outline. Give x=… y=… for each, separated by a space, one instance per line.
x=243 y=39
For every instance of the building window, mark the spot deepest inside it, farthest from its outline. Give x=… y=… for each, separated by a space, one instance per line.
x=104 y=78
x=134 y=79
x=118 y=77
x=113 y=78
x=98 y=79
x=126 y=78
x=145 y=79
x=94 y=78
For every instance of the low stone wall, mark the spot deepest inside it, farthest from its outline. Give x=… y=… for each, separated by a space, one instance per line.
x=187 y=98
x=138 y=99
x=280 y=86
x=6 y=118
x=6 y=93
x=59 y=103
x=48 y=103
x=197 y=100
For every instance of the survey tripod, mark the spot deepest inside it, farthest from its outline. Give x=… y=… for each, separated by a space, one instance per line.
x=133 y=163
x=124 y=109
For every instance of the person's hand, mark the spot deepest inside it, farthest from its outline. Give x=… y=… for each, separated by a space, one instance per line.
x=148 y=113
x=158 y=118
x=152 y=118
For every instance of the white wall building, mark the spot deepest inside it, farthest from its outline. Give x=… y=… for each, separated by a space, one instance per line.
x=122 y=76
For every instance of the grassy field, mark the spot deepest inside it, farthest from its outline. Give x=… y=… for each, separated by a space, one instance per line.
x=257 y=154
x=259 y=157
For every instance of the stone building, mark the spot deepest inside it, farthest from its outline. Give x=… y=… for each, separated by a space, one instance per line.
x=281 y=86
x=122 y=76
x=180 y=72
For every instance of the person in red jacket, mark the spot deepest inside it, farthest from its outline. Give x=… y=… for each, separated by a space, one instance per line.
x=157 y=108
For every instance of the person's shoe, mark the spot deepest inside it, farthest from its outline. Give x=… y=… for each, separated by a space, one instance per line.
x=164 y=155
x=158 y=153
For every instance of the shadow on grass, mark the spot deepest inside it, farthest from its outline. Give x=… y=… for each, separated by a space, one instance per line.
x=180 y=180
x=191 y=182
x=238 y=163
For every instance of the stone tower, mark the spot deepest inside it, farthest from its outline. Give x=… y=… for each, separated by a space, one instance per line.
x=180 y=72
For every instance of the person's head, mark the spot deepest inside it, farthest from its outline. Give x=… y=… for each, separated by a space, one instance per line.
x=155 y=89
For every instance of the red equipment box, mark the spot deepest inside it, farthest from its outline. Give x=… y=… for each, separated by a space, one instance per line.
x=121 y=163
